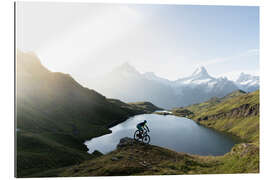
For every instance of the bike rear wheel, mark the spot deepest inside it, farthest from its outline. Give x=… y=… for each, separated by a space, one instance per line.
x=136 y=135
x=146 y=139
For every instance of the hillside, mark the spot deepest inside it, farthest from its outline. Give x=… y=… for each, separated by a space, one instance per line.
x=134 y=158
x=188 y=111
x=148 y=107
x=237 y=113
x=55 y=115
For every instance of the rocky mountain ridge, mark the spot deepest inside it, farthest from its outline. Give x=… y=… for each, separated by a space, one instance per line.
x=128 y=84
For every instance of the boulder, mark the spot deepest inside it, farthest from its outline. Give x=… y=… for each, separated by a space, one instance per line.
x=114 y=158
x=96 y=153
x=125 y=142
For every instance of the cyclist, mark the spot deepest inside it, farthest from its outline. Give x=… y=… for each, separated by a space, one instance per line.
x=141 y=126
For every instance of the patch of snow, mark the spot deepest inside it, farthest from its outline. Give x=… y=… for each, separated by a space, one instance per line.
x=154 y=77
x=201 y=81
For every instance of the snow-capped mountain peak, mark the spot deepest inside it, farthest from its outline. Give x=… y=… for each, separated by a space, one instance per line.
x=200 y=72
x=150 y=75
x=248 y=82
x=127 y=67
x=154 y=77
x=199 y=76
x=129 y=85
x=126 y=70
x=247 y=77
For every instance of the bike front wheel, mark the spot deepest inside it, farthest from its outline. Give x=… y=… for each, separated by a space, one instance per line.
x=137 y=135
x=146 y=139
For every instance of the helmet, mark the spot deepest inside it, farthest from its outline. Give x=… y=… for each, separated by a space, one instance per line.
x=145 y=121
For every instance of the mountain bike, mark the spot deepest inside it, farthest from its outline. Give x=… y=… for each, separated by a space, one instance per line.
x=143 y=136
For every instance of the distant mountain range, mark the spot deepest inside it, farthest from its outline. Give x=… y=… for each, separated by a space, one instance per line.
x=129 y=85
x=248 y=82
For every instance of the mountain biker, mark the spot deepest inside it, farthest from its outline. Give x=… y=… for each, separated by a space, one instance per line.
x=141 y=126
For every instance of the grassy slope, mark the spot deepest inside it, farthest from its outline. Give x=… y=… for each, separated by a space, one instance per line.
x=146 y=107
x=55 y=115
x=236 y=121
x=139 y=159
x=143 y=159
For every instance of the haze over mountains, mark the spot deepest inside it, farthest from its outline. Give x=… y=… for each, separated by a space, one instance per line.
x=129 y=85
x=55 y=115
x=248 y=82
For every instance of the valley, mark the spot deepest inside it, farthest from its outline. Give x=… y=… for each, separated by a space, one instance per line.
x=134 y=158
x=55 y=115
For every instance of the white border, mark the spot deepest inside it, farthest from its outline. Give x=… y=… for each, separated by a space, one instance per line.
x=7 y=85
x=188 y=2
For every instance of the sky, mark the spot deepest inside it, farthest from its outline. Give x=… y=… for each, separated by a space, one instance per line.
x=87 y=40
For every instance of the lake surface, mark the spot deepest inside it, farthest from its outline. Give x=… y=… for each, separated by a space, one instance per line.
x=176 y=133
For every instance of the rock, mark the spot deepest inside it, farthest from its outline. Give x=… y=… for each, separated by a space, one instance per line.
x=141 y=163
x=205 y=118
x=125 y=142
x=244 y=149
x=114 y=158
x=244 y=110
x=97 y=153
x=145 y=164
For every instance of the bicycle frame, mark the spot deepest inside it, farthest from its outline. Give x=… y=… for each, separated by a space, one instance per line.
x=145 y=132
